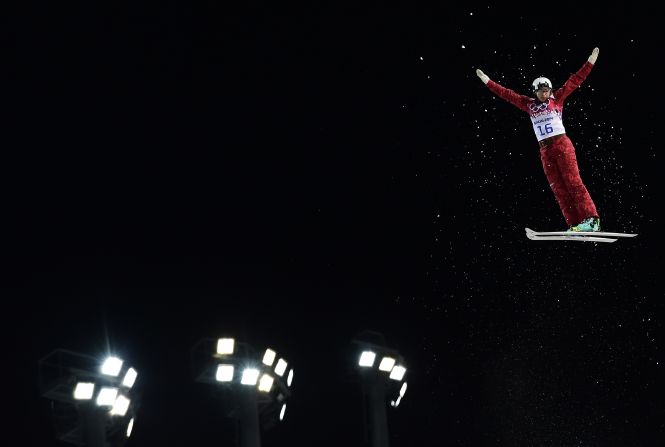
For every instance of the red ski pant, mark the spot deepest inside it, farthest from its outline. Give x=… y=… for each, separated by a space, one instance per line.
x=560 y=165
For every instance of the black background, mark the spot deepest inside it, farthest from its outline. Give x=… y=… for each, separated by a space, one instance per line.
x=293 y=175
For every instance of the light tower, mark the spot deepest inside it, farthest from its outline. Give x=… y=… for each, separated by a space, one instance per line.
x=94 y=400
x=382 y=376
x=254 y=387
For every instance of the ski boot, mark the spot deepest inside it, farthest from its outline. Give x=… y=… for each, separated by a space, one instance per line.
x=588 y=224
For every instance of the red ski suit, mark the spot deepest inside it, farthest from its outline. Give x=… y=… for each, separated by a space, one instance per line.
x=556 y=150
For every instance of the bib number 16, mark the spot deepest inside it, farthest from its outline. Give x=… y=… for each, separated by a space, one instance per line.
x=548 y=129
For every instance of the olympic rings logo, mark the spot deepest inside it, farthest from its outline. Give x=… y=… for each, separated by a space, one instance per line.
x=533 y=107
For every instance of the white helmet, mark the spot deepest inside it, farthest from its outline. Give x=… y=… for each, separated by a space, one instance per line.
x=541 y=82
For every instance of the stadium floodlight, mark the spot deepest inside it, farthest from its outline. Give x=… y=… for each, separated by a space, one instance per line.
x=107 y=396
x=130 y=426
x=225 y=346
x=87 y=405
x=130 y=378
x=402 y=390
x=224 y=373
x=112 y=366
x=280 y=367
x=367 y=359
x=265 y=384
x=269 y=357
x=249 y=376
x=398 y=372
x=84 y=391
x=378 y=382
x=387 y=364
x=281 y=412
x=120 y=406
x=253 y=391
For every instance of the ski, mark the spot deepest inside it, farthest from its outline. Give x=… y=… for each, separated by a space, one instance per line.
x=529 y=231
x=578 y=238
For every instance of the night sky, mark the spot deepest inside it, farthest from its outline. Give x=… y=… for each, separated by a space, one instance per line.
x=295 y=175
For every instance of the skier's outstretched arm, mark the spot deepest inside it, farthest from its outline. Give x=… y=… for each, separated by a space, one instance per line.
x=576 y=79
x=519 y=101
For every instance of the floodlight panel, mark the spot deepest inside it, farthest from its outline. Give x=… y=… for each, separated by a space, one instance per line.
x=402 y=390
x=112 y=366
x=106 y=396
x=225 y=346
x=84 y=391
x=281 y=412
x=398 y=372
x=130 y=378
x=280 y=367
x=249 y=376
x=367 y=359
x=289 y=378
x=224 y=373
x=130 y=426
x=120 y=406
x=265 y=384
x=269 y=357
x=387 y=364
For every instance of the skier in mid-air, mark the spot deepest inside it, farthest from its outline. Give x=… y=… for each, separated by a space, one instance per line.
x=557 y=152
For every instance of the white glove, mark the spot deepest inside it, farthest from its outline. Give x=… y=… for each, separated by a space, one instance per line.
x=594 y=55
x=483 y=77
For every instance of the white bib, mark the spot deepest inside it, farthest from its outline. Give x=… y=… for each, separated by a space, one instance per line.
x=546 y=121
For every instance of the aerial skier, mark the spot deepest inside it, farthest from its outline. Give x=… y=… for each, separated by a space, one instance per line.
x=557 y=152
